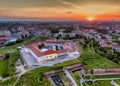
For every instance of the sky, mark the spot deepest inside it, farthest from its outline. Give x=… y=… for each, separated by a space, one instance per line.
x=60 y=9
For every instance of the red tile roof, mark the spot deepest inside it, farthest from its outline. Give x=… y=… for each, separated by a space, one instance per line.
x=51 y=39
x=49 y=52
x=55 y=42
x=5 y=37
x=2 y=40
x=34 y=48
x=61 y=51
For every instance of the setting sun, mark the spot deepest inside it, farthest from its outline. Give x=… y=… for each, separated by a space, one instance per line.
x=90 y=18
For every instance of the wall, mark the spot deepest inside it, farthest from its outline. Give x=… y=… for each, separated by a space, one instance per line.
x=51 y=56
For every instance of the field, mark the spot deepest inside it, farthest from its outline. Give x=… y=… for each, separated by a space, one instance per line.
x=3 y=67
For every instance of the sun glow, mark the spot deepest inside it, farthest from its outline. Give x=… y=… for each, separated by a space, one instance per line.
x=90 y=18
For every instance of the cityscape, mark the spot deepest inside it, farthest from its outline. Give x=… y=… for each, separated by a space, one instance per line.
x=60 y=43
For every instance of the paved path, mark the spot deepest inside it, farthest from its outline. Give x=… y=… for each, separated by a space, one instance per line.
x=28 y=58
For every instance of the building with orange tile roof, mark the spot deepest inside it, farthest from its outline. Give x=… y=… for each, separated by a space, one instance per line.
x=51 y=49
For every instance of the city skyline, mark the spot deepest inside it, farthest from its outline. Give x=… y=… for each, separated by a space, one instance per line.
x=60 y=9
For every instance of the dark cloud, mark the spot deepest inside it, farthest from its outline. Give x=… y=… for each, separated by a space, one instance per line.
x=69 y=12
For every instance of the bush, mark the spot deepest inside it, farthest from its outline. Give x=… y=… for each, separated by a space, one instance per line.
x=10 y=44
x=54 y=30
x=19 y=40
x=68 y=29
x=41 y=46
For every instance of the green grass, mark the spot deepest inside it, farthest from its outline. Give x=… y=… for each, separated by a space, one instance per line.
x=33 y=77
x=76 y=76
x=104 y=76
x=117 y=81
x=3 y=67
x=14 y=56
x=99 y=83
x=64 y=79
x=103 y=83
x=6 y=49
x=8 y=82
x=79 y=47
x=93 y=60
x=67 y=63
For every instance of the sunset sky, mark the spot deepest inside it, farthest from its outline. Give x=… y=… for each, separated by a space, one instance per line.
x=60 y=9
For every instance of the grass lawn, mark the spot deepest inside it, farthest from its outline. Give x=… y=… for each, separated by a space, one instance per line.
x=104 y=76
x=79 y=47
x=93 y=60
x=3 y=67
x=14 y=56
x=5 y=49
x=67 y=63
x=35 y=77
x=65 y=80
x=103 y=83
x=99 y=83
x=76 y=76
x=8 y=82
x=117 y=81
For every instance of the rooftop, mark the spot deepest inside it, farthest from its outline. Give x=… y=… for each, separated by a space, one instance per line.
x=46 y=51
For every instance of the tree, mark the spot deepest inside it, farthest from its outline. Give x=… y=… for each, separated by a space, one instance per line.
x=68 y=29
x=67 y=37
x=54 y=30
x=19 y=40
x=10 y=43
x=92 y=71
x=41 y=46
